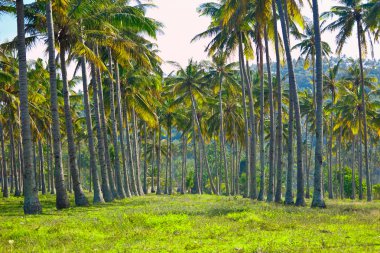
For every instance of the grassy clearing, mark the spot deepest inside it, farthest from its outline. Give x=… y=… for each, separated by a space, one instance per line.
x=192 y=224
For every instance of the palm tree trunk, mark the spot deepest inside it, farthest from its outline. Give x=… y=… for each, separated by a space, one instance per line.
x=119 y=184
x=184 y=156
x=300 y=200
x=159 y=160
x=98 y=195
x=42 y=174
x=341 y=174
x=360 y=163
x=136 y=153
x=17 y=192
x=107 y=194
x=203 y=146
x=170 y=159
x=330 y=183
x=31 y=201
x=289 y=175
x=246 y=122
x=307 y=160
x=364 y=114
x=51 y=154
x=4 y=164
x=196 y=158
x=279 y=104
x=152 y=190
x=222 y=139
x=121 y=133
x=103 y=125
x=318 y=193
x=80 y=198
x=353 y=181
x=145 y=185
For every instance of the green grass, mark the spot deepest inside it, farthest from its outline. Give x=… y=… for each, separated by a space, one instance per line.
x=192 y=224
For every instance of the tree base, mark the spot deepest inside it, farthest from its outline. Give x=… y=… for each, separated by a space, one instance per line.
x=32 y=206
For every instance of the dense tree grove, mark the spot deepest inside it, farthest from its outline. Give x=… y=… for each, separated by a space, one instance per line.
x=248 y=127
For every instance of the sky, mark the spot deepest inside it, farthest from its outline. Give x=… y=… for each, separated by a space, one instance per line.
x=181 y=23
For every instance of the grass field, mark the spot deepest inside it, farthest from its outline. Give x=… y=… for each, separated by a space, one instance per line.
x=190 y=224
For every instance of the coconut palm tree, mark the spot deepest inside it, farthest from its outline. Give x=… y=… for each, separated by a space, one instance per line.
x=349 y=14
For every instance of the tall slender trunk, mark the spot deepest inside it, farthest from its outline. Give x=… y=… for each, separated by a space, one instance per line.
x=364 y=113
x=129 y=152
x=4 y=164
x=119 y=184
x=330 y=182
x=203 y=146
x=31 y=202
x=42 y=174
x=289 y=175
x=170 y=152
x=307 y=158
x=279 y=104
x=341 y=172
x=98 y=195
x=360 y=163
x=247 y=124
x=159 y=161
x=17 y=192
x=196 y=158
x=152 y=190
x=223 y=155
x=121 y=133
x=300 y=200
x=107 y=194
x=184 y=158
x=80 y=198
x=136 y=153
x=353 y=181
x=103 y=124
x=318 y=192
x=145 y=185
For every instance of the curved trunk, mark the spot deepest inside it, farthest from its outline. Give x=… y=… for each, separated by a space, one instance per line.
x=107 y=194
x=80 y=198
x=121 y=132
x=318 y=192
x=364 y=114
x=119 y=184
x=98 y=195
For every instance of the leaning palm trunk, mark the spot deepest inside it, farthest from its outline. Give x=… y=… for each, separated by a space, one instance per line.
x=203 y=146
x=300 y=200
x=364 y=114
x=80 y=198
x=279 y=106
x=4 y=164
x=98 y=195
x=17 y=192
x=31 y=203
x=119 y=184
x=103 y=128
x=121 y=133
x=107 y=194
x=222 y=140
x=318 y=193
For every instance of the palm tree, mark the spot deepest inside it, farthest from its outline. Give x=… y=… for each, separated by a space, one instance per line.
x=351 y=13
x=300 y=201
x=31 y=202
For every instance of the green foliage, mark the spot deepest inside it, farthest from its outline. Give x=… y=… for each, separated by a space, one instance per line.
x=348 y=183
x=190 y=223
x=376 y=191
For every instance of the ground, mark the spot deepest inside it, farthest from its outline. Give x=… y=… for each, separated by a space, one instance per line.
x=190 y=223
